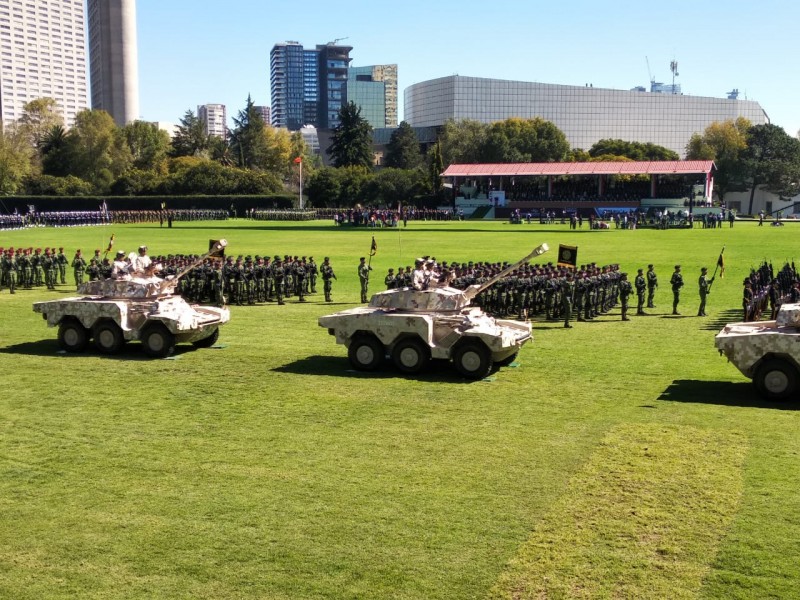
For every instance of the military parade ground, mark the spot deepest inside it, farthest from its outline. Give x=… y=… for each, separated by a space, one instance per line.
x=613 y=459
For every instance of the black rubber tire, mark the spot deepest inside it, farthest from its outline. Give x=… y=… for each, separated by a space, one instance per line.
x=508 y=360
x=473 y=360
x=365 y=352
x=207 y=342
x=776 y=379
x=72 y=336
x=108 y=337
x=411 y=355
x=157 y=341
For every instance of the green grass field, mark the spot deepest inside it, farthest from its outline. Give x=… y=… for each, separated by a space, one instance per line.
x=617 y=460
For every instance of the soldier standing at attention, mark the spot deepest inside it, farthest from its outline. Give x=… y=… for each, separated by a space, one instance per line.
x=389 y=280
x=640 y=285
x=300 y=280
x=705 y=290
x=652 y=284
x=677 y=283
x=363 y=277
x=327 y=274
x=10 y=270
x=278 y=275
x=625 y=290
x=567 y=293
x=312 y=269
x=62 y=262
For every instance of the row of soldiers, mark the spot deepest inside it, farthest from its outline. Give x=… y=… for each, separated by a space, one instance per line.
x=28 y=267
x=248 y=279
x=764 y=290
x=552 y=292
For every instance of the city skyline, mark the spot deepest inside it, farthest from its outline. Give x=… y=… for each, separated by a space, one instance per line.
x=574 y=44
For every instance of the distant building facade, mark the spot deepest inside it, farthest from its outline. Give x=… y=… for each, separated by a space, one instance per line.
x=374 y=90
x=216 y=119
x=307 y=86
x=43 y=51
x=264 y=112
x=585 y=114
x=113 y=58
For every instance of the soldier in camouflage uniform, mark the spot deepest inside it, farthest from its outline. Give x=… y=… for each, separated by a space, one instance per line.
x=278 y=275
x=641 y=287
x=10 y=270
x=363 y=277
x=652 y=284
x=49 y=267
x=677 y=283
x=313 y=271
x=78 y=268
x=705 y=290
x=62 y=261
x=625 y=290
x=326 y=270
x=300 y=280
x=567 y=294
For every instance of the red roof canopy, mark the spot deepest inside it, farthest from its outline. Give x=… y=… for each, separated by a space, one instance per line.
x=645 y=167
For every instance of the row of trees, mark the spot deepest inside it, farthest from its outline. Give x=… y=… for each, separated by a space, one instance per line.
x=39 y=156
x=95 y=156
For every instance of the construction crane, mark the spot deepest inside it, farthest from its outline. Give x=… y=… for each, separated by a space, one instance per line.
x=337 y=40
x=649 y=74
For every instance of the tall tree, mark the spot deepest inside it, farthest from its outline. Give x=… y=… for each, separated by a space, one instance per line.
x=99 y=153
x=38 y=118
x=351 y=142
x=771 y=159
x=402 y=151
x=632 y=150
x=147 y=143
x=15 y=159
x=190 y=138
x=723 y=142
x=435 y=167
x=524 y=140
x=461 y=141
x=248 y=138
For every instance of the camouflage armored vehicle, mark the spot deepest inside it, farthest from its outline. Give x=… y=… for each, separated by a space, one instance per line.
x=414 y=326
x=768 y=352
x=113 y=311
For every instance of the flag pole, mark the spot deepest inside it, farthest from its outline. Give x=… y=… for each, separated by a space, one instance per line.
x=719 y=260
x=301 y=182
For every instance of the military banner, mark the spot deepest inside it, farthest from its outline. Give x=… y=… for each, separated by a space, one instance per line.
x=567 y=256
x=219 y=253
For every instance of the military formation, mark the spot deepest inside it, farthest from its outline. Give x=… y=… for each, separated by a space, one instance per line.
x=27 y=268
x=764 y=290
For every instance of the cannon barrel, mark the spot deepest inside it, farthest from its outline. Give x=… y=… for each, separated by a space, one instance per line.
x=476 y=289
x=167 y=283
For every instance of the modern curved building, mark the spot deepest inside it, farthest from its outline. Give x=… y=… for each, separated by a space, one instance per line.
x=585 y=114
x=113 y=58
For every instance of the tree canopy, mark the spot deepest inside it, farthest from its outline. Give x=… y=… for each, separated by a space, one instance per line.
x=402 y=151
x=351 y=142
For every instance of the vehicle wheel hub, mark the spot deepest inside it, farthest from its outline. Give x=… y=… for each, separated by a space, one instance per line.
x=365 y=355
x=71 y=336
x=471 y=361
x=776 y=382
x=409 y=357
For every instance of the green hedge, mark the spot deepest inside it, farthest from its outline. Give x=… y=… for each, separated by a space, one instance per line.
x=57 y=203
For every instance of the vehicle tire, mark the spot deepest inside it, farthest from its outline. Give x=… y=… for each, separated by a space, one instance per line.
x=108 y=337
x=776 y=379
x=207 y=342
x=473 y=360
x=72 y=336
x=365 y=353
x=411 y=355
x=508 y=360
x=157 y=341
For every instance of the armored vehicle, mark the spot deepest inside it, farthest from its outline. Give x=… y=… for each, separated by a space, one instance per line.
x=768 y=352
x=414 y=326
x=113 y=311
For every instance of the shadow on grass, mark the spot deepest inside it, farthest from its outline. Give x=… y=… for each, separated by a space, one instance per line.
x=439 y=371
x=724 y=317
x=721 y=393
x=130 y=351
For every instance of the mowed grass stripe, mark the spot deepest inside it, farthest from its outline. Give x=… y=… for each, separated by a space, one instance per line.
x=643 y=519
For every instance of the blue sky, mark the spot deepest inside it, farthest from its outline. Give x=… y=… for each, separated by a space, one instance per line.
x=202 y=51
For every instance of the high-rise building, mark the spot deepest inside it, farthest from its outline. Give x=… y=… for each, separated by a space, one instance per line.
x=264 y=112
x=308 y=86
x=43 y=50
x=215 y=118
x=332 y=89
x=374 y=90
x=113 y=58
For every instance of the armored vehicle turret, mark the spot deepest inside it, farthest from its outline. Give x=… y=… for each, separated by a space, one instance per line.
x=140 y=307
x=413 y=326
x=768 y=352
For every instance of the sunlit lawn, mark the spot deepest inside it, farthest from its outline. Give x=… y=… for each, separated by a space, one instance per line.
x=617 y=459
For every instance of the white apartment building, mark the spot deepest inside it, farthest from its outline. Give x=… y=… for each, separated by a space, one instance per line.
x=42 y=54
x=216 y=119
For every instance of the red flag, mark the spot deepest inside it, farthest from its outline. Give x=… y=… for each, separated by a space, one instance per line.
x=299 y=159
